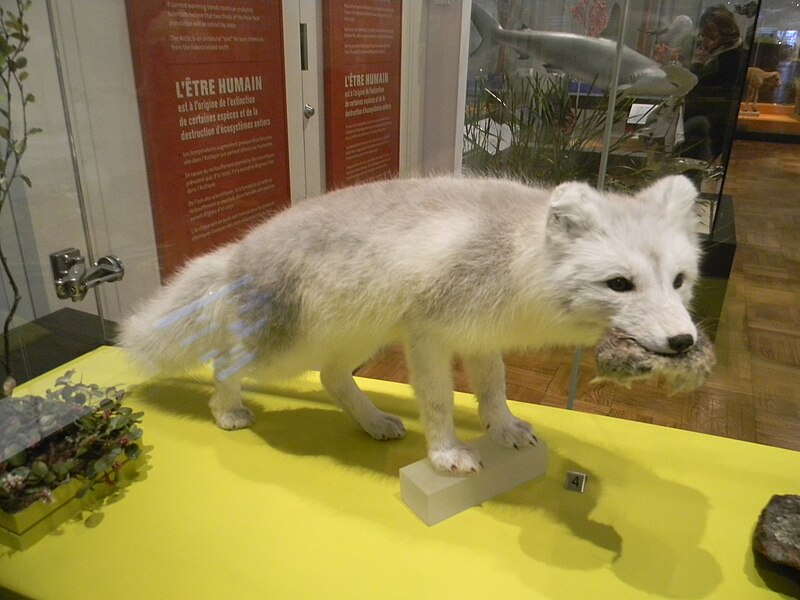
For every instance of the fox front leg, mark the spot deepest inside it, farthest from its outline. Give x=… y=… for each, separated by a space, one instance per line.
x=432 y=380
x=487 y=375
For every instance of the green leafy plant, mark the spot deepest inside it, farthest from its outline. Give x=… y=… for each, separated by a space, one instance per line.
x=75 y=431
x=533 y=129
x=14 y=131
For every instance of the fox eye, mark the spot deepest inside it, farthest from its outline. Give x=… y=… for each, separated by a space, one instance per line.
x=620 y=284
x=678 y=281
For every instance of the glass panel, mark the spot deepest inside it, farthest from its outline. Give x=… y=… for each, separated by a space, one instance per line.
x=771 y=105
x=145 y=180
x=41 y=205
x=541 y=80
x=540 y=87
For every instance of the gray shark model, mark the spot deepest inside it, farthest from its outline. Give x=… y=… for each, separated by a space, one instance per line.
x=589 y=59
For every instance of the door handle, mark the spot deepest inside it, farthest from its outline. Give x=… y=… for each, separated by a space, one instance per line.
x=73 y=278
x=309 y=111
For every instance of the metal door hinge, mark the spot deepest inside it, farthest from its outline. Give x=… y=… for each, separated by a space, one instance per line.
x=73 y=278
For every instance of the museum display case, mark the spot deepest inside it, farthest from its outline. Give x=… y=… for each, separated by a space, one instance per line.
x=771 y=107
x=510 y=111
x=650 y=85
x=554 y=88
x=137 y=134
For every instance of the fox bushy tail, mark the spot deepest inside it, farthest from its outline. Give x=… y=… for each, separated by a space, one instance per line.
x=183 y=325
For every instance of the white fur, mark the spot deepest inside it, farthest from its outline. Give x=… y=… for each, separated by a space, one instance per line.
x=444 y=265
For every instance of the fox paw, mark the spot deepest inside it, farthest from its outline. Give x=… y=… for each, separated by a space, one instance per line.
x=237 y=418
x=457 y=460
x=384 y=426
x=512 y=433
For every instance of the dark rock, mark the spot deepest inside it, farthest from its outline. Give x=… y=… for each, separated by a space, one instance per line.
x=777 y=534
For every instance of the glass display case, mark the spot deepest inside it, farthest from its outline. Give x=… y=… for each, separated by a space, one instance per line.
x=613 y=93
x=771 y=102
x=138 y=134
x=122 y=160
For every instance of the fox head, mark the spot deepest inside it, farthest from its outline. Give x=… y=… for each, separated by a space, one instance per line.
x=628 y=262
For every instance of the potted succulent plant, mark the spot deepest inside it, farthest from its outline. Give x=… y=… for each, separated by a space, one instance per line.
x=55 y=449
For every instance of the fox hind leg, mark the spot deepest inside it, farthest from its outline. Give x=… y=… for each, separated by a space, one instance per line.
x=226 y=403
x=342 y=388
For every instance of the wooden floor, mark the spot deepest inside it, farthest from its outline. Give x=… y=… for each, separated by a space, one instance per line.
x=754 y=393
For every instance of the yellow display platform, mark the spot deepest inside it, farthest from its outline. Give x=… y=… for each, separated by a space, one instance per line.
x=304 y=505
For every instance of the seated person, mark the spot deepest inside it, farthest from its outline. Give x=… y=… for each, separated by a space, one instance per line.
x=719 y=61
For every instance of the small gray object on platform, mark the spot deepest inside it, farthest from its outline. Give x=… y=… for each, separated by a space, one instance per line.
x=777 y=534
x=436 y=496
x=576 y=481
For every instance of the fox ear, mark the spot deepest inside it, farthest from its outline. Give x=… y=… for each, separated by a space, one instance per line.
x=574 y=210
x=676 y=195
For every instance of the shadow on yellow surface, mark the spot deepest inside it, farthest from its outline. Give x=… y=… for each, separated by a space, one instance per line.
x=646 y=531
x=778 y=578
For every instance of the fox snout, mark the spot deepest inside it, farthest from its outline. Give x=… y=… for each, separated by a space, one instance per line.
x=681 y=343
x=663 y=328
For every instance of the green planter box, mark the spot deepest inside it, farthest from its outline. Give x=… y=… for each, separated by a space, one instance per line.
x=22 y=529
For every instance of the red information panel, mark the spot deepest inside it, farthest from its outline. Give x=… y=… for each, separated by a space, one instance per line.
x=211 y=87
x=362 y=90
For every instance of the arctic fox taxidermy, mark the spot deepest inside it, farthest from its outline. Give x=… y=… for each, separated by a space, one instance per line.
x=447 y=266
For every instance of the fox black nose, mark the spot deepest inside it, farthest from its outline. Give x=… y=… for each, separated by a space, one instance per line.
x=681 y=343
